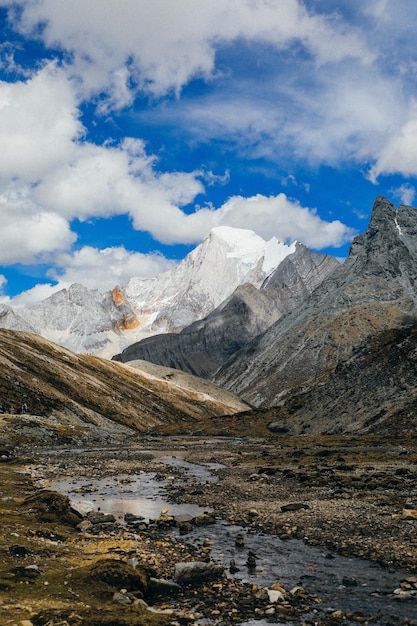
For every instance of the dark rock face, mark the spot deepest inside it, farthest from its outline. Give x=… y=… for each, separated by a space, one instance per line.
x=297 y=277
x=204 y=346
x=374 y=290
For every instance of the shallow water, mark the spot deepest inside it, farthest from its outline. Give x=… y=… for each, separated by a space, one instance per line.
x=294 y=563
x=289 y=562
x=139 y=494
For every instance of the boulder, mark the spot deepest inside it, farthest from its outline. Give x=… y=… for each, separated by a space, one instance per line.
x=195 y=572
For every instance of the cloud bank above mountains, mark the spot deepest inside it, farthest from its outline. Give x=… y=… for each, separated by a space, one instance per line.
x=179 y=117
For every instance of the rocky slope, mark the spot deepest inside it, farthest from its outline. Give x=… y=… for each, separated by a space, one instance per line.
x=371 y=392
x=373 y=291
x=77 y=398
x=205 y=345
x=103 y=323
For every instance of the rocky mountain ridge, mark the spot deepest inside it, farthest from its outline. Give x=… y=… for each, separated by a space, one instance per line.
x=343 y=361
x=205 y=345
x=373 y=291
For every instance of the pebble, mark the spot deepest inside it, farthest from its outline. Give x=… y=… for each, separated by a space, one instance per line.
x=296 y=600
x=121 y=598
x=275 y=595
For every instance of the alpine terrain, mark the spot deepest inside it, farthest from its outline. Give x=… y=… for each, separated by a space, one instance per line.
x=105 y=465
x=205 y=345
x=348 y=329
x=79 y=399
x=103 y=323
x=344 y=359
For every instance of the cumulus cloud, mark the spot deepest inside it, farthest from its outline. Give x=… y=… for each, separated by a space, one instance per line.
x=3 y=299
x=96 y=269
x=343 y=99
x=103 y=181
x=399 y=154
x=109 y=181
x=159 y=46
x=274 y=216
x=35 y=294
x=108 y=267
x=406 y=193
x=38 y=124
x=29 y=233
x=269 y=216
x=60 y=178
x=49 y=177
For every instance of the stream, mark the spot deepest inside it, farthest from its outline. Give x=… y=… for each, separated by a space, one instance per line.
x=342 y=583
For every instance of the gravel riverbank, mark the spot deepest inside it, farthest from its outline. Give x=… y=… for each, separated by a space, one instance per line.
x=351 y=496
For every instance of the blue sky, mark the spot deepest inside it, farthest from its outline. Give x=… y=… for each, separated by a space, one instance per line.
x=130 y=128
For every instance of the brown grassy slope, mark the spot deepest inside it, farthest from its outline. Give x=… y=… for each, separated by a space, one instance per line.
x=55 y=381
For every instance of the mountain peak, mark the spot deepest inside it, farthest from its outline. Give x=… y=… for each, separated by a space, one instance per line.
x=383 y=218
x=388 y=247
x=250 y=247
x=232 y=234
x=87 y=320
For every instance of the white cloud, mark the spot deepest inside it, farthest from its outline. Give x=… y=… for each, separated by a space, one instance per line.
x=35 y=294
x=38 y=124
x=103 y=269
x=96 y=269
x=348 y=118
x=399 y=155
x=3 y=299
x=103 y=181
x=109 y=181
x=406 y=193
x=330 y=117
x=48 y=176
x=163 y=44
x=268 y=216
x=29 y=233
x=335 y=104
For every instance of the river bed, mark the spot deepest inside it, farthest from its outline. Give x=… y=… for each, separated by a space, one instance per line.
x=341 y=583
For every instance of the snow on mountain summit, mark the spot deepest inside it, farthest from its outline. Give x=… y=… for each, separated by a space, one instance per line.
x=104 y=323
x=250 y=247
x=226 y=258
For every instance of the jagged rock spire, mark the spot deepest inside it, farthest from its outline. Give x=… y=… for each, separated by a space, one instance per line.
x=389 y=245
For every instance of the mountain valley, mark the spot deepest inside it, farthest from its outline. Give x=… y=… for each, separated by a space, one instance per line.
x=299 y=347
x=306 y=439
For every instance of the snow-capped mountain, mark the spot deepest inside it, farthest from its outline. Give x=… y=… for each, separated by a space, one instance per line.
x=208 y=343
x=104 y=323
x=227 y=257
